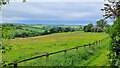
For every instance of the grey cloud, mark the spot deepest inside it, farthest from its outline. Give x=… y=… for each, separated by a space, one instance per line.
x=52 y=11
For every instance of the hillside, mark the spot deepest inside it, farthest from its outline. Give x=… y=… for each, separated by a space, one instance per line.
x=93 y=56
x=33 y=46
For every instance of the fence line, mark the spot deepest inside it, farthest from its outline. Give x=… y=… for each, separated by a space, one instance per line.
x=47 y=54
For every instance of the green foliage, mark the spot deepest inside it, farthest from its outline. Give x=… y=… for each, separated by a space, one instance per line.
x=88 y=28
x=45 y=32
x=96 y=29
x=115 y=43
x=28 y=31
x=59 y=30
x=6 y=36
x=101 y=26
x=52 y=30
x=102 y=23
x=67 y=30
x=107 y=29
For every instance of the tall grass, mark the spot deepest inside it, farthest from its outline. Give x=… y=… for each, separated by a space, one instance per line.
x=23 y=48
x=81 y=57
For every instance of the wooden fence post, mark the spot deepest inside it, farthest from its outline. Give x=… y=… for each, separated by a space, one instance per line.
x=93 y=43
x=84 y=46
x=15 y=65
x=65 y=51
x=47 y=57
x=96 y=42
x=76 y=48
x=89 y=45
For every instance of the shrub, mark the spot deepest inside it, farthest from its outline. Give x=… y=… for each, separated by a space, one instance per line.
x=96 y=29
x=115 y=43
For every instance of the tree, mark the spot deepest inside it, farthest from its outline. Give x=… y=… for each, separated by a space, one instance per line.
x=4 y=2
x=67 y=30
x=5 y=36
x=45 y=32
x=24 y=34
x=52 y=30
x=107 y=25
x=96 y=29
x=112 y=11
x=115 y=43
x=6 y=28
x=101 y=23
x=88 y=27
x=59 y=29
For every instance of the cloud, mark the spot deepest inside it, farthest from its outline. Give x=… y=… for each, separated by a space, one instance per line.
x=59 y=0
x=57 y=11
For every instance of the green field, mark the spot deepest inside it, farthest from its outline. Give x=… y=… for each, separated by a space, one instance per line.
x=19 y=31
x=33 y=46
x=93 y=56
x=37 y=30
x=47 y=27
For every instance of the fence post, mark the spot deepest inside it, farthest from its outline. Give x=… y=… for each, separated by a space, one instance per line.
x=15 y=65
x=76 y=48
x=93 y=43
x=84 y=46
x=96 y=42
x=47 y=57
x=65 y=51
x=89 y=45
x=99 y=41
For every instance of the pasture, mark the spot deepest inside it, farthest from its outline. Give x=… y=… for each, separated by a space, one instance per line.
x=37 y=30
x=47 y=27
x=93 y=56
x=23 y=48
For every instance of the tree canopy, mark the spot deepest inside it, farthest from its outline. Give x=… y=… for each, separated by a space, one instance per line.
x=112 y=11
x=101 y=23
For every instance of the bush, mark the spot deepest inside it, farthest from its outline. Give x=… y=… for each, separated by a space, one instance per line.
x=115 y=43
x=96 y=29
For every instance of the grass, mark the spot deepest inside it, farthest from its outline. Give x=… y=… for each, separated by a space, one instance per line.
x=33 y=29
x=94 y=56
x=33 y=46
x=19 y=31
x=51 y=26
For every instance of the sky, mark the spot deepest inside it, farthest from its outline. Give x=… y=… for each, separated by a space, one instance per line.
x=68 y=13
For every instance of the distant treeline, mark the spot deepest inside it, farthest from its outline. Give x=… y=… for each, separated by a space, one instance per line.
x=56 y=27
x=101 y=26
x=30 y=33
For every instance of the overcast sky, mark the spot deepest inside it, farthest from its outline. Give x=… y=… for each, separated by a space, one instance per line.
x=80 y=13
